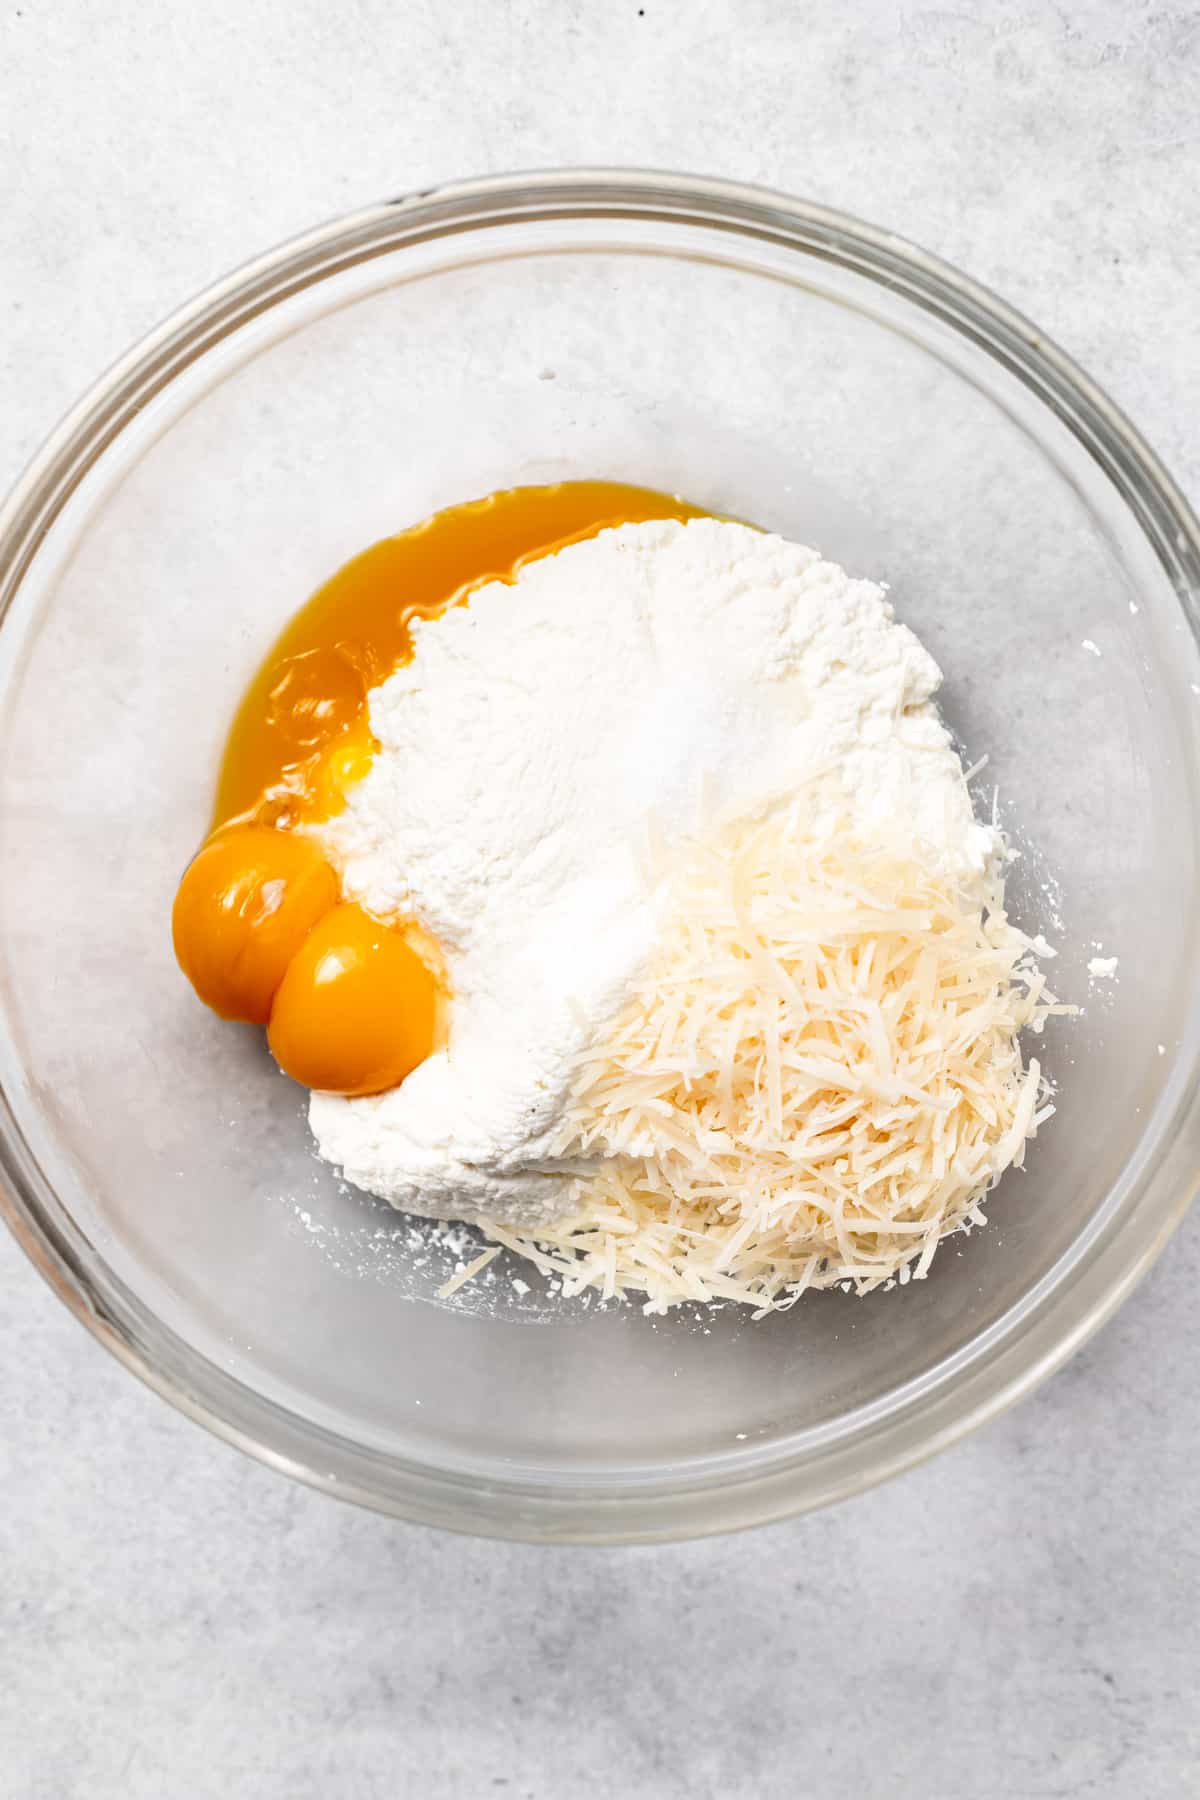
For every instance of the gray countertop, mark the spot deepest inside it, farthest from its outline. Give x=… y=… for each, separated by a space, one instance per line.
x=1018 y=1618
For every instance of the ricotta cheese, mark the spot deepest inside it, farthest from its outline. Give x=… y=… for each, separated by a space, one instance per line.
x=548 y=742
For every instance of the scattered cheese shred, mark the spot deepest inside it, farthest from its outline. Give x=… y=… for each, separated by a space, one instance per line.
x=818 y=1080
x=461 y=1276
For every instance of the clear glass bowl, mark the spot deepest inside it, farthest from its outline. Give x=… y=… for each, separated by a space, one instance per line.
x=765 y=358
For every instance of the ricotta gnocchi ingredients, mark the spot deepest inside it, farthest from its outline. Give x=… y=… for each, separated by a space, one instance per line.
x=817 y=1078
x=607 y=873
x=543 y=748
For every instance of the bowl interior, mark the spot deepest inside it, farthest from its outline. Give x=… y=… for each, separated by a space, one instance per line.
x=770 y=384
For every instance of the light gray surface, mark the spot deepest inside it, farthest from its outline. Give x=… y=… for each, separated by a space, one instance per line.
x=1018 y=1618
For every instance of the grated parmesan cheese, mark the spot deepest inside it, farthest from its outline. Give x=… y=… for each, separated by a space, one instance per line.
x=818 y=1079
x=462 y=1274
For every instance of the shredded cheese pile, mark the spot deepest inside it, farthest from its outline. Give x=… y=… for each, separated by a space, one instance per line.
x=817 y=1081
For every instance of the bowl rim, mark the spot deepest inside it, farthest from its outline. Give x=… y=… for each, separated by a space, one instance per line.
x=1038 y=1334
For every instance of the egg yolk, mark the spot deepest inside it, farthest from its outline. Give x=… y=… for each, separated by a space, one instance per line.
x=352 y=1005
x=246 y=903
x=357 y=1009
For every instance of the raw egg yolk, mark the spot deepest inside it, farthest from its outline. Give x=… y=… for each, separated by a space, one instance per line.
x=335 y=771
x=246 y=903
x=357 y=1009
x=316 y=695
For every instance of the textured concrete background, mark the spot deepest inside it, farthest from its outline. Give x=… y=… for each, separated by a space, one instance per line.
x=1018 y=1619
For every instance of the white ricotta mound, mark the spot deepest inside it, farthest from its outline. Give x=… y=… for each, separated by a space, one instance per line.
x=545 y=746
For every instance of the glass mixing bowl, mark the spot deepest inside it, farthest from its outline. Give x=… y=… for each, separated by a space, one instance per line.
x=765 y=358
